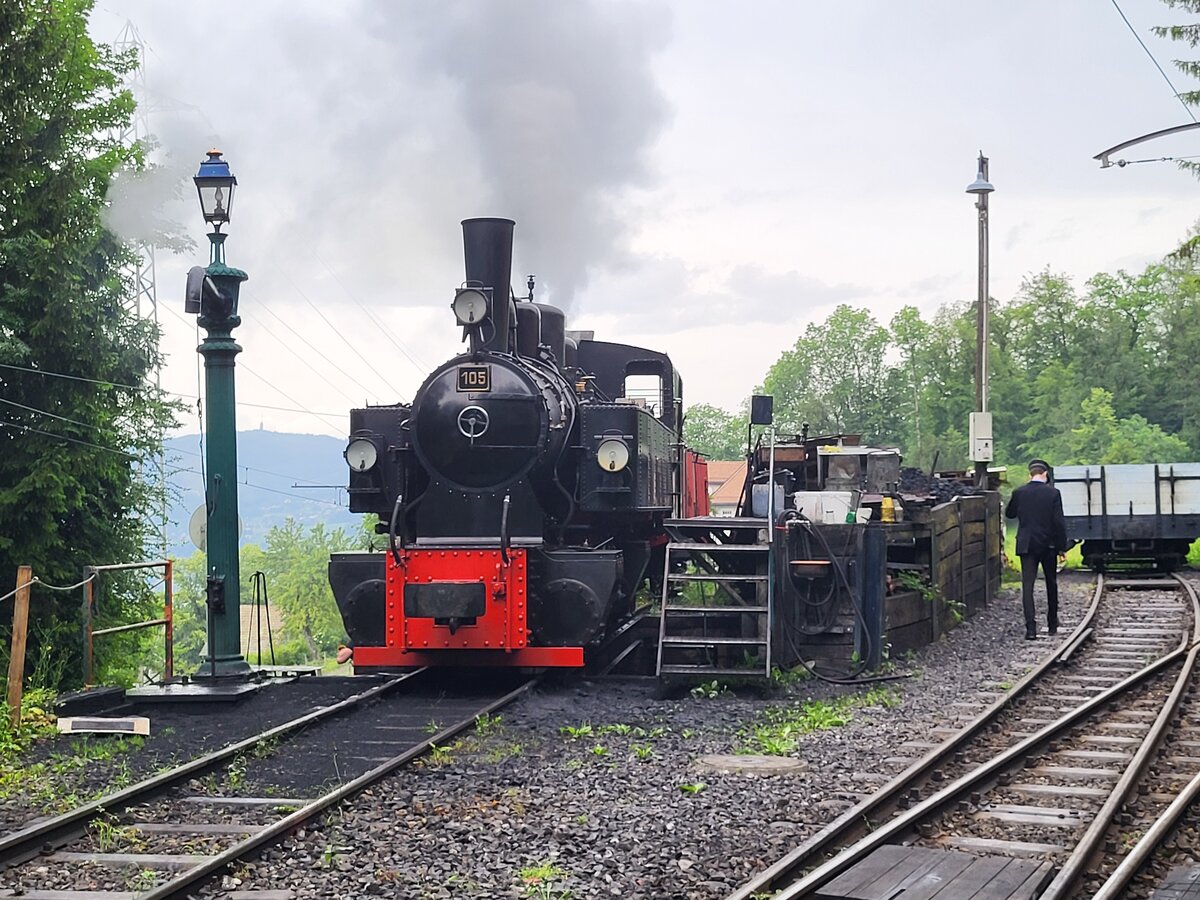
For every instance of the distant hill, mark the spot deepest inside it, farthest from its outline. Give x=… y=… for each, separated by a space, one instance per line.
x=278 y=476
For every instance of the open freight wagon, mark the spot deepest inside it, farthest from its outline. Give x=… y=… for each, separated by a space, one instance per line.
x=1132 y=517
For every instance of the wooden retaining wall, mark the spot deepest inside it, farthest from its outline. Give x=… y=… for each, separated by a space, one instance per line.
x=953 y=549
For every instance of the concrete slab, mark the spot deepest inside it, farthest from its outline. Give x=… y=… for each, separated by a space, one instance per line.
x=208 y=692
x=745 y=763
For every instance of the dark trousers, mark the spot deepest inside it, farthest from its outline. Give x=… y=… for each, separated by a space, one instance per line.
x=1048 y=560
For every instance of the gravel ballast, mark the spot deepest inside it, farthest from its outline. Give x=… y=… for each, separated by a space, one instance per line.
x=596 y=789
x=178 y=732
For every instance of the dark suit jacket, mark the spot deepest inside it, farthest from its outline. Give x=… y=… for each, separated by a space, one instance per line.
x=1038 y=509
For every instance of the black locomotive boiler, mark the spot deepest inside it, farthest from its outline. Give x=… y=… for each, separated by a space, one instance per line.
x=522 y=492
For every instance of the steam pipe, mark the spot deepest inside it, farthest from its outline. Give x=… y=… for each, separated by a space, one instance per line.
x=392 y=530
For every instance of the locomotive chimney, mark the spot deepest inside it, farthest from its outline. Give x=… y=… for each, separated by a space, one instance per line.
x=487 y=248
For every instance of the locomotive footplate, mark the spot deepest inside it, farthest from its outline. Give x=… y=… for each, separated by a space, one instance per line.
x=470 y=601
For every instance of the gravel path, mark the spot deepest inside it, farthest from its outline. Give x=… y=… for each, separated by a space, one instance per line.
x=617 y=804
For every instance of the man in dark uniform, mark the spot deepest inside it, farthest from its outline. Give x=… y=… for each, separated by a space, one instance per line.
x=1041 y=539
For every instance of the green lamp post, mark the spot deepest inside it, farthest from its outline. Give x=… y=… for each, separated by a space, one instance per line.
x=212 y=293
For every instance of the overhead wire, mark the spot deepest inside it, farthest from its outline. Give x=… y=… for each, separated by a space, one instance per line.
x=1133 y=31
x=17 y=426
x=274 y=387
x=387 y=332
x=149 y=387
x=292 y=350
x=285 y=394
x=134 y=387
x=259 y=303
x=33 y=409
x=1133 y=162
x=270 y=490
x=353 y=349
x=20 y=426
x=92 y=426
x=299 y=408
x=256 y=469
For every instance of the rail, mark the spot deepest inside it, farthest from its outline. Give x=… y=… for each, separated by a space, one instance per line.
x=183 y=885
x=29 y=841
x=1065 y=881
x=972 y=780
x=1118 y=881
x=853 y=822
x=38 y=839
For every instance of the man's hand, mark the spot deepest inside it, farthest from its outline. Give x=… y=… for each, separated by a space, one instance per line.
x=1062 y=559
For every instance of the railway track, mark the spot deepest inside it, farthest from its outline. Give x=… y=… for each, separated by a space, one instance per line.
x=169 y=834
x=1026 y=792
x=1150 y=849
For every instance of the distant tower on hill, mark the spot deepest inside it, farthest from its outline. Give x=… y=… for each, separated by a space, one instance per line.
x=142 y=300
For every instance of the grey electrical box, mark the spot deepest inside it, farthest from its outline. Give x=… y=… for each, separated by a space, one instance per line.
x=980 y=447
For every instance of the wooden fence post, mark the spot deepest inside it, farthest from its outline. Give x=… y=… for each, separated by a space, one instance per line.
x=20 y=631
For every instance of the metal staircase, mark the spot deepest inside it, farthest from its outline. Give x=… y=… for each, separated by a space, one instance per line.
x=726 y=631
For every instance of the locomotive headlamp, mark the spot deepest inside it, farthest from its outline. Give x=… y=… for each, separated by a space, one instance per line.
x=361 y=455
x=470 y=306
x=612 y=454
x=215 y=184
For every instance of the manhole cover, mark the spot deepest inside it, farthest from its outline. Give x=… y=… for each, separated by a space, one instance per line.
x=766 y=765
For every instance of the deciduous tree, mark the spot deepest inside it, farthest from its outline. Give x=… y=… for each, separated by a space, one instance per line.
x=714 y=432
x=77 y=417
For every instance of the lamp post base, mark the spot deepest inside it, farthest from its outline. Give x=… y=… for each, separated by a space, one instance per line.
x=224 y=669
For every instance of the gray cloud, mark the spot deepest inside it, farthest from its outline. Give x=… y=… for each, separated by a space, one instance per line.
x=931 y=286
x=662 y=294
x=1016 y=235
x=365 y=131
x=562 y=108
x=762 y=295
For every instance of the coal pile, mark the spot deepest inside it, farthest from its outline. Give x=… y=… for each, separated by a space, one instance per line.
x=941 y=490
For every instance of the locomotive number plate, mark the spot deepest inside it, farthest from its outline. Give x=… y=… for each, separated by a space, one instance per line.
x=474 y=378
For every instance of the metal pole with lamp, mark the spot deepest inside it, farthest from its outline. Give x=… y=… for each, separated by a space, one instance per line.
x=980 y=437
x=212 y=293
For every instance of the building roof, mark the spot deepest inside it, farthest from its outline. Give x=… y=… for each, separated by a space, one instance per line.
x=721 y=470
x=727 y=484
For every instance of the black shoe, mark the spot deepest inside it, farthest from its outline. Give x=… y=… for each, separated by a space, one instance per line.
x=1031 y=635
x=1053 y=629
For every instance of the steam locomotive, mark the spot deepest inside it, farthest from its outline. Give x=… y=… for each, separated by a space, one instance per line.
x=523 y=491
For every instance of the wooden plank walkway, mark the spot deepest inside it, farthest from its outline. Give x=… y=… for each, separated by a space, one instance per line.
x=1181 y=883
x=920 y=873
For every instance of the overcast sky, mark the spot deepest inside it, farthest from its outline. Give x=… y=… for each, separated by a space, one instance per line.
x=702 y=178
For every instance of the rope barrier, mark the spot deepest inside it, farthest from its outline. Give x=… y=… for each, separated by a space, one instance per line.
x=48 y=586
